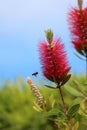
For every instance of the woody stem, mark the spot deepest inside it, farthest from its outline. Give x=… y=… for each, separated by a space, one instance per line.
x=64 y=105
x=65 y=109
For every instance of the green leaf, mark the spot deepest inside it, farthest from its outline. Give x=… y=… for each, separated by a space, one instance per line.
x=76 y=126
x=73 y=110
x=77 y=100
x=50 y=87
x=74 y=92
x=52 y=101
x=55 y=114
x=78 y=56
x=81 y=88
x=52 y=114
x=37 y=107
x=61 y=117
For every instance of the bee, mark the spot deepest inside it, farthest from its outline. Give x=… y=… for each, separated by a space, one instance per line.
x=35 y=74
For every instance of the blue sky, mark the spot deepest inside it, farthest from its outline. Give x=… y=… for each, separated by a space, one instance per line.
x=22 y=25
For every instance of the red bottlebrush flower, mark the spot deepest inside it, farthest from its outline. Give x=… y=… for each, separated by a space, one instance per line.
x=54 y=61
x=78 y=26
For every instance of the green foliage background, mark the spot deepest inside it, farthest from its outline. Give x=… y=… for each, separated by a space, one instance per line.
x=17 y=100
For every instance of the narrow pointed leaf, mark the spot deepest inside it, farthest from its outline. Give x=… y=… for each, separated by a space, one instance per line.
x=73 y=110
x=74 y=92
x=66 y=79
x=50 y=87
x=78 y=56
x=37 y=107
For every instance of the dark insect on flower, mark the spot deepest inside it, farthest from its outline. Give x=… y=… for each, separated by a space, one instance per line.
x=35 y=74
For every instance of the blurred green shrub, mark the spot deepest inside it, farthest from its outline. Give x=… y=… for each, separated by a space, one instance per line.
x=16 y=105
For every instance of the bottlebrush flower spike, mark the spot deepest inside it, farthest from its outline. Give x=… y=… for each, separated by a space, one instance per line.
x=53 y=60
x=78 y=27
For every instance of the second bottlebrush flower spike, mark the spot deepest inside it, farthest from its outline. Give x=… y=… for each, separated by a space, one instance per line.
x=53 y=59
x=78 y=27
